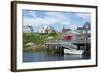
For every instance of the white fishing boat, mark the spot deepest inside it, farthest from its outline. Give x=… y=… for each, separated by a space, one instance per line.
x=73 y=51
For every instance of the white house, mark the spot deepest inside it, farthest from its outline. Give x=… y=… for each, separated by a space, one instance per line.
x=26 y=29
x=46 y=29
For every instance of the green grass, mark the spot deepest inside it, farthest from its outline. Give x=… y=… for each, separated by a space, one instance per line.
x=38 y=38
x=33 y=37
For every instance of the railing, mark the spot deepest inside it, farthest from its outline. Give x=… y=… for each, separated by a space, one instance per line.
x=62 y=43
x=81 y=41
x=69 y=45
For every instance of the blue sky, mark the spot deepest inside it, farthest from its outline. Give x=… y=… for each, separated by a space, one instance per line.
x=70 y=20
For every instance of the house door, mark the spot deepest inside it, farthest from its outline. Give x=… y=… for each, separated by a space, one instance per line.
x=68 y=38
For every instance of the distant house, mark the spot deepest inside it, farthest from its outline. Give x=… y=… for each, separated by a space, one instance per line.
x=71 y=35
x=46 y=29
x=85 y=29
x=26 y=28
x=79 y=33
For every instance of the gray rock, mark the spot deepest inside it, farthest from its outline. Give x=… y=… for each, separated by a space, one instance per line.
x=30 y=44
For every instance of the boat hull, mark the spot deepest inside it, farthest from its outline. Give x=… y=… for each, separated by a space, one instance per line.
x=76 y=52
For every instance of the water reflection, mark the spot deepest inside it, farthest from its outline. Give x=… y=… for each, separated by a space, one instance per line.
x=40 y=56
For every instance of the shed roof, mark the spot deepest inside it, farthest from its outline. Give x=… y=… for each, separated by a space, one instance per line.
x=72 y=32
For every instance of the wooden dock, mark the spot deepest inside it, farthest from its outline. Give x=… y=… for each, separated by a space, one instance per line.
x=59 y=44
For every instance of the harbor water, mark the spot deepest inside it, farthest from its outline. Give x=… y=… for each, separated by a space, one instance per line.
x=41 y=56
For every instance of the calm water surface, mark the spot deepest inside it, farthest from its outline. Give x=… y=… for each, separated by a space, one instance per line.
x=45 y=56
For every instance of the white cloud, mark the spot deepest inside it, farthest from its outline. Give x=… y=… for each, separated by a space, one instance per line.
x=31 y=21
x=60 y=17
x=52 y=18
x=85 y=16
x=29 y=13
x=56 y=15
x=49 y=19
x=33 y=13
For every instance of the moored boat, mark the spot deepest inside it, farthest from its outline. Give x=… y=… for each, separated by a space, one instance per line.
x=73 y=51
